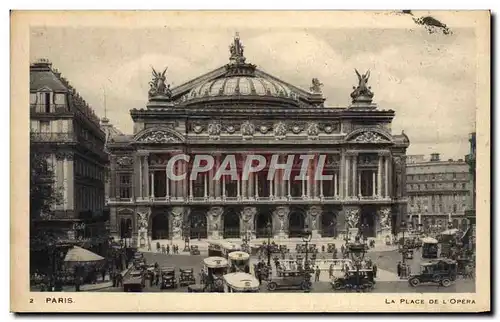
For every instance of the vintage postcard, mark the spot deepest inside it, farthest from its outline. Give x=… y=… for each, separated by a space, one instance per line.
x=312 y=161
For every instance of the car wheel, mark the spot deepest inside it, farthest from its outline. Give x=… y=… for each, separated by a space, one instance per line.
x=337 y=286
x=445 y=282
x=369 y=285
x=305 y=285
x=414 y=282
x=272 y=286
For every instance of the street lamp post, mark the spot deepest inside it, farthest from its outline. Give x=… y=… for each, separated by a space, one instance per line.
x=403 y=246
x=269 y=232
x=306 y=238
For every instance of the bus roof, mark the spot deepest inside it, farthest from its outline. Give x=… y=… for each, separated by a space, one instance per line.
x=241 y=281
x=215 y=262
x=238 y=255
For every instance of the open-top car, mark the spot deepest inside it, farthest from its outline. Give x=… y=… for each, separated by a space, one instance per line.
x=186 y=277
x=133 y=282
x=440 y=271
x=354 y=280
x=168 y=277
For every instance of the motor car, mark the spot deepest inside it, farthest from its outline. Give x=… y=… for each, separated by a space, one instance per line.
x=291 y=281
x=168 y=279
x=194 y=250
x=355 y=280
x=440 y=271
x=186 y=277
x=133 y=282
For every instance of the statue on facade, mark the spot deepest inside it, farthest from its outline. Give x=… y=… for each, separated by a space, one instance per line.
x=314 y=212
x=352 y=218
x=316 y=86
x=143 y=219
x=385 y=218
x=362 y=91
x=158 y=86
x=236 y=51
x=177 y=216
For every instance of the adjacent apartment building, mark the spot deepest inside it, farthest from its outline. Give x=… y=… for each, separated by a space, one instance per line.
x=67 y=131
x=439 y=192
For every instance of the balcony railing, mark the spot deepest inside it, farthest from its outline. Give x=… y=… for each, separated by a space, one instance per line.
x=54 y=108
x=53 y=137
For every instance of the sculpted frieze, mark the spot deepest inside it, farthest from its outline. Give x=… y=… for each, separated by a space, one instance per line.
x=214 y=130
x=369 y=137
x=124 y=161
x=329 y=127
x=280 y=130
x=247 y=129
x=158 y=136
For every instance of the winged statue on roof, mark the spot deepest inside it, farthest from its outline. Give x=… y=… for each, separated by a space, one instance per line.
x=362 y=89
x=158 y=84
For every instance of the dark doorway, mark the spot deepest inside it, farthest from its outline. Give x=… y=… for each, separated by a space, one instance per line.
x=125 y=228
x=159 y=226
x=231 y=224
x=367 y=217
x=160 y=183
x=261 y=224
x=328 y=224
x=198 y=224
x=296 y=223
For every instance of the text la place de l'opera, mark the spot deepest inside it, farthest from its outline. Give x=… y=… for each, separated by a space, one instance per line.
x=240 y=110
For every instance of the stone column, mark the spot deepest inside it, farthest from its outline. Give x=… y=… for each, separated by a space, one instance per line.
x=211 y=186
x=374 y=185
x=167 y=185
x=217 y=182
x=247 y=222
x=280 y=222
x=283 y=182
x=152 y=184
x=387 y=187
x=354 y=175
x=250 y=187
x=313 y=217
x=113 y=224
x=177 y=215
x=347 y=177
x=205 y=185
x=145 y=177
x=384 y=222
x=186 y=180
x=277 y=184
x=342 y=175
x=379 y=175
x=256 y=177
x=214 y=221
x=335 y=186
x=137 y=177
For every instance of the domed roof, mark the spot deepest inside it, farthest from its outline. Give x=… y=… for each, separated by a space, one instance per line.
x=242 y=84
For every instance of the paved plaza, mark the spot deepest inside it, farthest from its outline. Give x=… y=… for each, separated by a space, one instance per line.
x=387 y=280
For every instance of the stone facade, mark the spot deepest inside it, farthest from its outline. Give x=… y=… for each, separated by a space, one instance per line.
x=240 y=110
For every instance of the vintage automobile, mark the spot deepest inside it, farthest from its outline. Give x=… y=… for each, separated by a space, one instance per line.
x=193 y=250
x=361 y=280
x=429 y=248
x=214 y=268
x=440 y=271
x=186 y=277
x=240 y=283
x=293 y=280
x=168 y=278
x=133 y=282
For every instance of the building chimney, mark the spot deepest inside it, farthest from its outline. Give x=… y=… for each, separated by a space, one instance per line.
x=435 y=157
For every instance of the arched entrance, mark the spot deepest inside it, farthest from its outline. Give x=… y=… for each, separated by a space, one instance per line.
x=328 y=224
x=159 y=226
x=262 y=220
x=198 y=225
x=231 y=224
x=296 y=223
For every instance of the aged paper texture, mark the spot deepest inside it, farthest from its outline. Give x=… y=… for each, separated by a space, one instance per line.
x=311 y=161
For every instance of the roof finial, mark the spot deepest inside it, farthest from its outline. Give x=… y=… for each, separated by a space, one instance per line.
x=105 y=118
x=236 y=50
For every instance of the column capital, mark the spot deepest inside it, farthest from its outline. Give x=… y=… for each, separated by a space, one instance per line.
x=142 y=153
x=384 y=153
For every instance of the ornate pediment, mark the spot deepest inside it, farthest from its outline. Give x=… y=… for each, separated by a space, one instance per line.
x=153 y=135
x=368 y=136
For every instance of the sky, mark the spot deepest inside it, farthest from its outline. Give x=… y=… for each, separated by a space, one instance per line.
x=429 y=80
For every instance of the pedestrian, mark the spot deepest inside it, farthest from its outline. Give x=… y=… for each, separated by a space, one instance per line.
x=157 y=277
x=168 y=249
x=330 y=271
x=374 y=267
x=399 y=269
x=259 y=275
x=158 y=247
x=318 y=272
